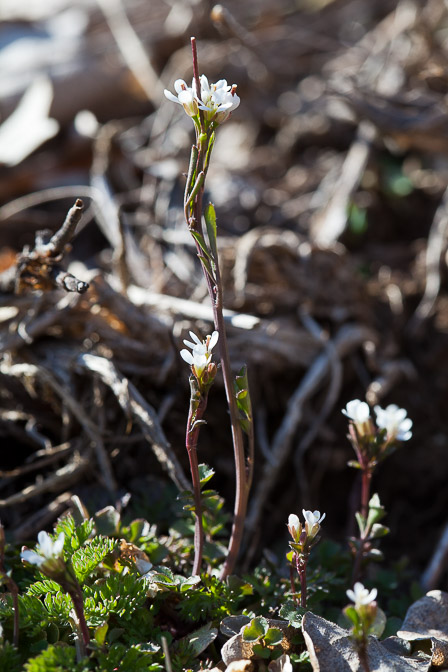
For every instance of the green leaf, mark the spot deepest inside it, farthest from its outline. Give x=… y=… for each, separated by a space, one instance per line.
x=43 y=588
x=100 y=634
x=379 y=623
x=273 y=637
x=191 y=171
x=9 y=658
x=205 y=473
x=200 y=639
x=361 y=522
x=256 y=629
x=75 y=536
x=118 y=594
x=210 y=222
x=207 y=267
x=139 y=529
x=107 y=521
x=201 y=242
x=378 y=531
x=53 y=659
x=89 y=556
x=243 y=400
x=211 y=143
x=197 y=186
x=352 y=615
x=261 y=652
x=292 y=613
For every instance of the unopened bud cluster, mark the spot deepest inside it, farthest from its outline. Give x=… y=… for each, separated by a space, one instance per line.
x=371 y=441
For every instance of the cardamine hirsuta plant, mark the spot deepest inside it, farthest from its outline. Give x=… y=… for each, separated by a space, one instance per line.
x=209 y=106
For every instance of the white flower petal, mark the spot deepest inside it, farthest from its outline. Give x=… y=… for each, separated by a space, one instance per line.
x=180 y=85
x=195 y=338
x=213 y=340
x=32 y=558
x=171 y=97
x=58 y=544
x=45 y=544
x=187 y=357
x=293 y=520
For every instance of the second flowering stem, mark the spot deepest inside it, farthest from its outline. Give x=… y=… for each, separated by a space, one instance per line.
x=198 y=404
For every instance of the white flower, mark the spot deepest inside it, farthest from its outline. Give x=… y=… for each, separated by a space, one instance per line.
x=201 y=353
x=313 y=520
x=393 y=419
x=294 y=527
x=359 y=413
x=361 y=596
x=46 y=549
x=218 y=99
x=357 y=410
x=185 y=97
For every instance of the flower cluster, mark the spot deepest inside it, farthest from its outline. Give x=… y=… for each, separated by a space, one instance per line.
x=311 y=528
x=393 y=419
x=216 y=100
x=200 y=357
x=304 y=536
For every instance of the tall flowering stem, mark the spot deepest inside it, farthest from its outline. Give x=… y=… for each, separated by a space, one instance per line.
x=203 y=372
x=49 y=559
x=304 y=538
x=366 y=618
x=209 y=105
x=198 y=405
x=372 y=444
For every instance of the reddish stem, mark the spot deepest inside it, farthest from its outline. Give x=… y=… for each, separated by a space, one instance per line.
x=191 y=441
x=215 y=292
x=78 y=605
x=366 y=478
x=301 y=568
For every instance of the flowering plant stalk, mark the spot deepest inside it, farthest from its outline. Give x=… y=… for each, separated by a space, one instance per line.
x=209 y=105
x=49 y=559
x=369 y=530
x=203 y=372
x=366 y=619
x=372 y=444
x=304 y=538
